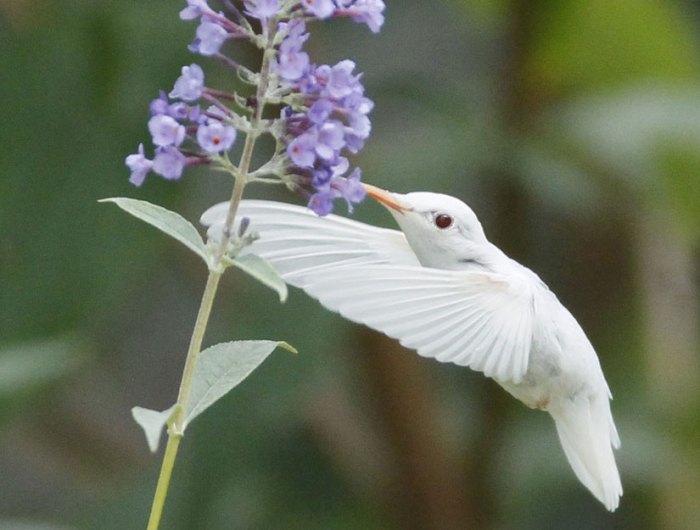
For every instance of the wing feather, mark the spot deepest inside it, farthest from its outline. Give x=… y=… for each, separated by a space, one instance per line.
x=285 y=228
x=370 y=275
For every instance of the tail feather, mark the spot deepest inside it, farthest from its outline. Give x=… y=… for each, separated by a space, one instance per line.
x=588 y=435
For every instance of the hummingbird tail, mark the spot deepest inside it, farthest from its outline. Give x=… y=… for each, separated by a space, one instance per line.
x=588 y=435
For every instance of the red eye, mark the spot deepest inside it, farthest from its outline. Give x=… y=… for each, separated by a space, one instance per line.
x=442 y=221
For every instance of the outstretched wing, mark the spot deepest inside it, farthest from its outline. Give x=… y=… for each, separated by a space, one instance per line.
x=471 y=319
x=371 y=276
x=300 y=242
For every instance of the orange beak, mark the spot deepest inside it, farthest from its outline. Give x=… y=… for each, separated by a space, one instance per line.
x=386 y=198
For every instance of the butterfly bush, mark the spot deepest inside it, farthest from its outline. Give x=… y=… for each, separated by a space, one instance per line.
x=322 y=112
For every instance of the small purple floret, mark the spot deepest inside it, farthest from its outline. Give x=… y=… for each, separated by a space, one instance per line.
x=302 y=149
x=329 y=189
x=370 y=12
x=296 y=34
x=169 y=163
x=195 y=9
x=215 y=137
x=210 y=38
x=292 y=65
x=190 y=84
x=359 y=124
x=320 y=111
x=319 y=8
x=330 y=140
x=351 y=189
x=341 y=82
x=160 y=104
x=166 y=131
x=321 y=177
x=321 y=202
x=179 y=110
x=262 y=8
x=139 y=166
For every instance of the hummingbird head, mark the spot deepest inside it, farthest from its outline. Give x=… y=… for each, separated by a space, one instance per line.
x=443 y=231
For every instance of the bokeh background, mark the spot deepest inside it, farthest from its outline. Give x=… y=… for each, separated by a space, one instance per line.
x=572 y=129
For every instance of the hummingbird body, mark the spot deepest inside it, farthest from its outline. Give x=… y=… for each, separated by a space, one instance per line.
x=441 y=288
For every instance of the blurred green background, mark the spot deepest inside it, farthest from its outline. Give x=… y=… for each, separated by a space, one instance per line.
x=572 y=129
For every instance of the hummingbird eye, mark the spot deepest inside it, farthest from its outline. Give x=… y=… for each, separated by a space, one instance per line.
x=442 y=220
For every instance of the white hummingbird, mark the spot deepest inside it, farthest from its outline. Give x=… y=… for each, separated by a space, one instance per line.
x=440 y=288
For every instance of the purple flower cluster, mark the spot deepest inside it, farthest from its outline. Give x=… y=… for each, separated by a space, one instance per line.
x=172 y=123
x=324 y=111
x=334 y=118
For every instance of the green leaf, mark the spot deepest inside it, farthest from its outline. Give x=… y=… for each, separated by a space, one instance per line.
x=166 y=221
x=152 y=423
x=222 y=367
x=263 y=271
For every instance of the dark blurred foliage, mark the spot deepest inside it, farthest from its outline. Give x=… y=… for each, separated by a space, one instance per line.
x=572 y=129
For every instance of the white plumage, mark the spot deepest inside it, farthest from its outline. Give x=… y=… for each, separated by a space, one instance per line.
x=448 y=293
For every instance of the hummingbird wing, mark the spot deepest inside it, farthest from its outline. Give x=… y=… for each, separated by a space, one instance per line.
x=370 y=275
x=299 y=242
x=474 y=319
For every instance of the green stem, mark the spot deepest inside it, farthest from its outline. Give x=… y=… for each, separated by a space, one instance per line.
x=251 y=138
x=166 y=471
x=177 y=428
x=176 y=431
x=195 y=347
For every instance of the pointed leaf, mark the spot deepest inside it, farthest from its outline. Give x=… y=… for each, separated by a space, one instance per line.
x=152 y=423
x=166 y=221
x=222 y=367
x=263 y=271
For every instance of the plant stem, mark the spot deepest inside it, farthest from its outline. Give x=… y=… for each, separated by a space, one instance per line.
x=177 y=428
x=251 y=138
x=195 y=347
x=176 y=431
x=166 y=471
